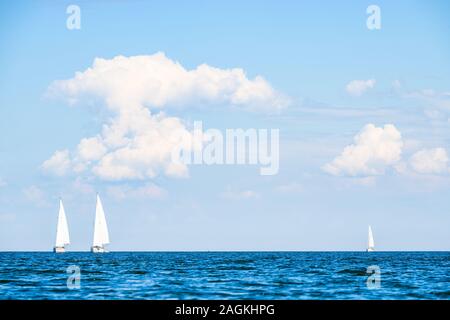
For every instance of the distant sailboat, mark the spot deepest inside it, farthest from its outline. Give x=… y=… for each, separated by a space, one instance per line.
x=62 y=231
x=371 y=243
x=101 y=236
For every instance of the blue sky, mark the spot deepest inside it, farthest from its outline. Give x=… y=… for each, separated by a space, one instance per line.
x=310 y=52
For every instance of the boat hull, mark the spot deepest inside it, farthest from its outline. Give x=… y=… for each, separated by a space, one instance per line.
x=59 y=249
x=370 y=249
x=97 y=249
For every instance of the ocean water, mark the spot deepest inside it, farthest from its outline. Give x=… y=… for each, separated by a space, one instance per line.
x=226 y=275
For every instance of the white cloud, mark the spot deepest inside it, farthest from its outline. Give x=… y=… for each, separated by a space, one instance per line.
x=140 y=145
x=91 y=149
x=430 y=161
x=149 y=190
x=133 y=146
x=159 y=82
x=135 y=143
x=358 y=87
x=59 y=163
x=239 y=195
x=373 y=151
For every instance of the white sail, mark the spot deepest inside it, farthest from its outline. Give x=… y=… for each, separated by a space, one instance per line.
x=371 y=243
x=101 y=236
x=62 y=231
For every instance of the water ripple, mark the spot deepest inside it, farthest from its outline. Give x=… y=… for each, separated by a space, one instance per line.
x=225 y=275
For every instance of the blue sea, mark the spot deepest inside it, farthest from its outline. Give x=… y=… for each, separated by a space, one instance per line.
x=225 y=275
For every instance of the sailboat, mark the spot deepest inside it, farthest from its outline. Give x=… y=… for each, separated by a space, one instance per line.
x=101 y=236
x=62 y=231
x=371 y=243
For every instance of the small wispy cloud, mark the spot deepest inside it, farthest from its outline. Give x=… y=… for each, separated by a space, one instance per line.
x=149 y=190
x=430 y=161
x=239 y=195
x=35 y=195
x=434 y=103
x=81 y=186
x=365 y=181
x=58 y=164
x=290 y=188
x=358 y=87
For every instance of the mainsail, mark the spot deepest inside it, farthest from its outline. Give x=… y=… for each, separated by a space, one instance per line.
x=371 y=243
x=62 y=231
x=101 y=236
